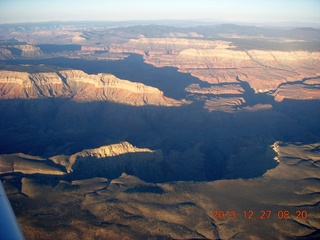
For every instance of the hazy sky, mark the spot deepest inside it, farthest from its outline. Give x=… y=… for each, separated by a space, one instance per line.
x=115 y=10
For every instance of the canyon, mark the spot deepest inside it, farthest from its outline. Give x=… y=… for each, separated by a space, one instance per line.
x=218 y=62
x=214 y=62
x=129 y=207
x=146 y=131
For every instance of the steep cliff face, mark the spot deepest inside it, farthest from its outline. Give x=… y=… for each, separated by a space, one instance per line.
x=307 y=89
x=29 y=50
x=305 y=64
x=213 y=58
x=219 y=62
x=14 y=84
x=5 y=54
x=80 y=86
x=227 y=89
x=297 y=91
x=105 y=152
x=263 y=70
x=102 y=206
x=93 y=48
x=112 y=160
x=153 y=46
x=223 y=104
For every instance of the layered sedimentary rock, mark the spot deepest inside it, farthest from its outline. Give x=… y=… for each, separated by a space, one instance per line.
x=226 y=89
x=80 y=86
x=171 y=46
x=306 y=64
x=93 y=48
x=213 y=58
x=307 y=89
x=255 y=67
x=283 y=203
x=5 y=54
x=312 y=81
x=110 y=160
x=28 y=50
x=120 y=156
x=224 y=104
x=219 y=62
x=297 y=92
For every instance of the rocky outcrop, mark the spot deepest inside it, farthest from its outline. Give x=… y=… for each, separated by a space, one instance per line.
x=218 y=62
x=102 y=206
x=291 y=157
x=112 y=160
x=172 y=46
x=307 y=89
x=224 y=104
x=78 y=37
x=263 y=70
x=103 y=152
x=226 y=89
x=106 y=161
x=93 y=48
x=21 y=50
x=5 y=54
x=213 y=58
x=29 y=50
x=305 y=64
x=297 y=92
x=80 y=86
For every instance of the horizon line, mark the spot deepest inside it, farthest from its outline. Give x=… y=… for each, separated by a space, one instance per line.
x=205 y=20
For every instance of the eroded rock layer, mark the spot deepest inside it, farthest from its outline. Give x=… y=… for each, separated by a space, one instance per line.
x=219 y=62
x=80 y=86
x=110 y=160
x=283 y=203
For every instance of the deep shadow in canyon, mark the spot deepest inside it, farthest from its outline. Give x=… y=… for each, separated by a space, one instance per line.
x=133 y=68
x=54 y=48
x=197 y=145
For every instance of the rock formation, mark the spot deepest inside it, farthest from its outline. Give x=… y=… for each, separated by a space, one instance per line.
x=223 y=104
x=226 y=89
x=20 y=51
x=164 y=46
x=93 y=48
x=82 y=87
x=108 y=161
x=127 y=207
x=213 y=155
x=218 y=62
x=5 y=53
x=29 y=50
x=297 y=92
x=255 y=67
x=26 y=164
x=121 y=155
x=305 y=90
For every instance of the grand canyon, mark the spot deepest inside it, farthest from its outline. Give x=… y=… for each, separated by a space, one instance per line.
x=150 y=131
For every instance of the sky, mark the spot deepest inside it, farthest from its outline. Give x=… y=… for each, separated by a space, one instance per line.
x=15 y=11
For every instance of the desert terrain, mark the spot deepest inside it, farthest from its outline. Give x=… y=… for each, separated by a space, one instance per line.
x=161 y=131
